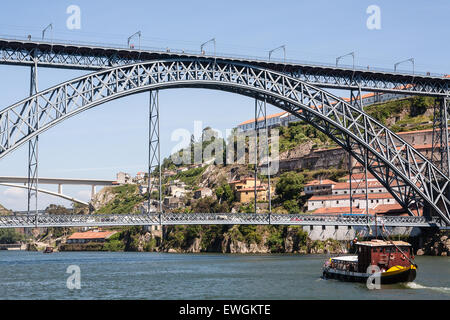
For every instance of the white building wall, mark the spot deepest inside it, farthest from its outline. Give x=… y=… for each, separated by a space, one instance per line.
x=344 y=233
x=357 y=203
x=361 y=190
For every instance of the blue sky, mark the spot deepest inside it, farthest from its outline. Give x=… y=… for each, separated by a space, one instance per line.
x=113 y=137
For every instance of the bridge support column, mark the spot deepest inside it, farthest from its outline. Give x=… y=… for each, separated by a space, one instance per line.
x=441 y=138
x=154 y=156
x=261 y=113
x=33 y=159
x=92 y=192
x=356 y=101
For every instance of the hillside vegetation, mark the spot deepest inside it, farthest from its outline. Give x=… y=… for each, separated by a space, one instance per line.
x=405 y=115
x=401 y=115
x=120 y=199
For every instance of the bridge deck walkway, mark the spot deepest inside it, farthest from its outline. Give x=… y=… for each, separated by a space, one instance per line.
x=94 y=220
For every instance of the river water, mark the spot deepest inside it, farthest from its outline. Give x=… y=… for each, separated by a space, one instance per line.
x=128 y=275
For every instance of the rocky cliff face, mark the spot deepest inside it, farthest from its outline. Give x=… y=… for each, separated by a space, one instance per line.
x=299 y=151
x=437 y=244
x=101 y=198
x=228 y=242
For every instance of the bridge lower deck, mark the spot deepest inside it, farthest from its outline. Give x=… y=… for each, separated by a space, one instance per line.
x=91 y=220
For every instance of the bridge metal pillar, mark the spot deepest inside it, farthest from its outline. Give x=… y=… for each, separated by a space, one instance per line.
x=154 y=156
x=356 y=101
x=441 y=138
x=33 y=154
x=261 y=112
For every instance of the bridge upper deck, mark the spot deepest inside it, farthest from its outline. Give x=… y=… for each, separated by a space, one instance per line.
x=95 y=57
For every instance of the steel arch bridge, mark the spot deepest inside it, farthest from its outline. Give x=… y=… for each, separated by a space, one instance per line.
x=410 y=177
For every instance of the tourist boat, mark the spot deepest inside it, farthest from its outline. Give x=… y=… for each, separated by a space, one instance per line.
x=48 y=250
x=392 y=261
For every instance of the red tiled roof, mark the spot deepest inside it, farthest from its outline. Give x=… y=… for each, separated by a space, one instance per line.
x=319 y=182
x=355 y=196
x=258 y=188
x=359 y=176
x=280 y=114
x=91 y=235
x=357 y=185
x=262 y=118
x=388 y=208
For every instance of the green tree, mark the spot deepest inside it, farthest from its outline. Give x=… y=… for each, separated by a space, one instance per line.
x=290 y=186
x=224 y=193
x=9 y=236
x=209 y=205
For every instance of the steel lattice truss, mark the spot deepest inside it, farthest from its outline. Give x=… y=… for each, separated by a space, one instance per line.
x=63 y=56
x=441 y=135
x=57 y=55
x=373 y=81
x=411 y=178
x=46 y=220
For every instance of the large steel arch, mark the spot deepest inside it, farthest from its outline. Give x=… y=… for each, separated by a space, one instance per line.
x=410 y=177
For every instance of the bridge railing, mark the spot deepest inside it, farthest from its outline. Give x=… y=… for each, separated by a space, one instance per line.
x=166 y=50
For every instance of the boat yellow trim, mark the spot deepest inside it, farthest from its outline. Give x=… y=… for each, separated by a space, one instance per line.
x=397 y=269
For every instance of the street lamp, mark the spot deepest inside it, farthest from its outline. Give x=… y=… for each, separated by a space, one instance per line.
x=50 y=26
x=407 y=60
x=345 y=55
x=280 y=47
x=213 y=40
x=133 y=35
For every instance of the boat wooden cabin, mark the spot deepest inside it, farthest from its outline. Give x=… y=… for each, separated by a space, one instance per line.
x=384 y=254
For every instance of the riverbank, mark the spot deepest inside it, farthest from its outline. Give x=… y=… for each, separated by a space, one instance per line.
x=215 y=239
x=241 y=239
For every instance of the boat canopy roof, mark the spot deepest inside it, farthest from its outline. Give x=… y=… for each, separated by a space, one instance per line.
x=346 y=259
x=382 y=243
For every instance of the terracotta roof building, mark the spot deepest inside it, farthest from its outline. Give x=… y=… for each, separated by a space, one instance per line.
x=343 y=200
x=317 y=187
x=90 y=236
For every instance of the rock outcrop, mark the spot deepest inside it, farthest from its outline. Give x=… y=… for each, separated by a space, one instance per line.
x=101 y=198
x=437 y=244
